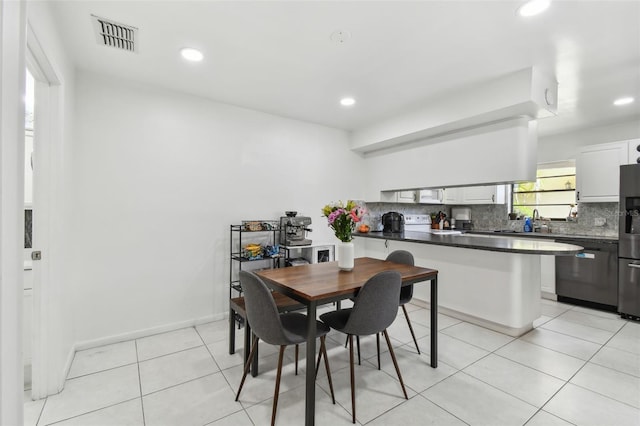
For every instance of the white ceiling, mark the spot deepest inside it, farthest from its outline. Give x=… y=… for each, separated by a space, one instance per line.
x=277 y=57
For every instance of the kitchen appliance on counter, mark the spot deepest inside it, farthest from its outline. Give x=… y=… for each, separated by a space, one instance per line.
x=629 y=241
x=422 y=223
x=461 y=216
x=293 y=230
x=393 y=222
x=589 y=278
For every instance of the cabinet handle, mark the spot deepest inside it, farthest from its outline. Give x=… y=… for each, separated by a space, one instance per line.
x=578 y=196
x=493 y=198
x=386 y=243
x=634 y=265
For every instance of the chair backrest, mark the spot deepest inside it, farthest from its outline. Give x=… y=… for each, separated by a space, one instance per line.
x=401 y=256
x=406 y=258
x=376 y=305
x=262 y=312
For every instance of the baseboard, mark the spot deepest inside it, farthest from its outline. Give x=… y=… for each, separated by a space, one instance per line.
x=88 y=344
x=510 y=331
x=515 y=332
x=548 y=296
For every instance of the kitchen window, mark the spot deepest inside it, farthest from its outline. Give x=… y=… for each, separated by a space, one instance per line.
x=553 y=193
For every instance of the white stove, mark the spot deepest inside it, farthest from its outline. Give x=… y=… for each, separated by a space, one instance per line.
x=422 y=223
x=417 y=223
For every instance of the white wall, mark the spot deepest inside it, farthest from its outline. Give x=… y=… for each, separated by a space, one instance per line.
x=567 y=145
x=12 y=46
x=158 y=178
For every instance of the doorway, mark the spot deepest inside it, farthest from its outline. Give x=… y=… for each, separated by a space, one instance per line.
x=27 y=323
x=47 y=375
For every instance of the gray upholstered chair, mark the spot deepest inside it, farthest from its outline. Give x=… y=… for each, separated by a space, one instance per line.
x=272 y=327
x=375 y=309
x=406 y=292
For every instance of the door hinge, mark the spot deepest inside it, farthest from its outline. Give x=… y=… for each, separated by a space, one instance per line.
x=36 y=255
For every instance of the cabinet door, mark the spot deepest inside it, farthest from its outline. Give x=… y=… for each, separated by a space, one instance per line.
x=406 y=196
x=494 y=194
x=479 y=195
x=453 y=195
x=430 y=196
x=598 y=172
x=634 y=152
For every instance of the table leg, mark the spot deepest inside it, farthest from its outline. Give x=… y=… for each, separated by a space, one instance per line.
x=310 y=393
x=434 y=322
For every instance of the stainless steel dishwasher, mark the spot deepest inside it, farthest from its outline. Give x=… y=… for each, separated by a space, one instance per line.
x=589 y=278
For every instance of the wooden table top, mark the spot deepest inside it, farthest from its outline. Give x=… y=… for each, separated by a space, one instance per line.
x=324 y=281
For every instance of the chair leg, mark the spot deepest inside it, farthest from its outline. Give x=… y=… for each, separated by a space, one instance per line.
x=297 y=349
x=358 y=343
x=406 y=315
x=277 y=390
x=247 y=365
x=353 y=379
x=395 y=363
x=323 y=350
x=232 y=331
x=378 y=346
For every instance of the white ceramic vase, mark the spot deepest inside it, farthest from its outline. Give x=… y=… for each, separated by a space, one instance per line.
x=345 y=256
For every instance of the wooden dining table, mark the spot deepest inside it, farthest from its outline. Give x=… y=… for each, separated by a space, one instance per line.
x=322 y=283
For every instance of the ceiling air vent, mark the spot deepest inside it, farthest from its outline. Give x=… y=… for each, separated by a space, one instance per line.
x=109 y=33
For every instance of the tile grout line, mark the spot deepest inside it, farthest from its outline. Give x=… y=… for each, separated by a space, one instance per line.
x=575 y=374
x=91 y=411
x=41 y=411
x=144 y=421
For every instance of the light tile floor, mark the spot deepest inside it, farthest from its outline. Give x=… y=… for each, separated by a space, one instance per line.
x=579 y=366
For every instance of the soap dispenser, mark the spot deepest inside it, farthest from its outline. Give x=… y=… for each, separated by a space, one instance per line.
x=527 y=224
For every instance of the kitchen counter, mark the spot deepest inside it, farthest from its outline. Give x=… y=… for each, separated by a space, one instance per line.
x=490 y=280
x=509 y=243
x=540 y=235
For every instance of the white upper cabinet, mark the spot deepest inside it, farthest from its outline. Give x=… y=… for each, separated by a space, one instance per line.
x=406 y=196
x=430 y=196
x=424 y=196
x=634 y=152
x=493 y=194
x=453 y=195
x=598 y=172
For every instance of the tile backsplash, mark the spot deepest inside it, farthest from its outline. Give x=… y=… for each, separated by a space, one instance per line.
x=494 y=216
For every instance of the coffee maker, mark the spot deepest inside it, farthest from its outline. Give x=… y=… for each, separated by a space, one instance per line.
x=293 y=230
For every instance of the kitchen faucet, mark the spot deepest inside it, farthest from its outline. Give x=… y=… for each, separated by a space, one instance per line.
x=536 y=218
x=536 y=215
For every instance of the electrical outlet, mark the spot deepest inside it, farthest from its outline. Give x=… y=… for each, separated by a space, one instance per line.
x=600 y=221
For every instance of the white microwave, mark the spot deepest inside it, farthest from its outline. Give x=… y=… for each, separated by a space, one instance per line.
x=430 y=196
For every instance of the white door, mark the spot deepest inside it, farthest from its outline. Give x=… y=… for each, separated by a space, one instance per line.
x=47 y=375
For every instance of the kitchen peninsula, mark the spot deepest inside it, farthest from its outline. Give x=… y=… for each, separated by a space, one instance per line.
x=491 y=281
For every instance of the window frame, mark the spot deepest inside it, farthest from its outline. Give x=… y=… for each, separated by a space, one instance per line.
x=546 y=166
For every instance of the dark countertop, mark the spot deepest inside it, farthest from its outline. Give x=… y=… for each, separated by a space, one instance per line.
x=520 y=234
x=482 y=242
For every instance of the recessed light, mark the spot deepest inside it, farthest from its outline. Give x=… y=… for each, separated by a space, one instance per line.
x=623 y=101
x=347 y=101
x=191 y=54
x=533 y=7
